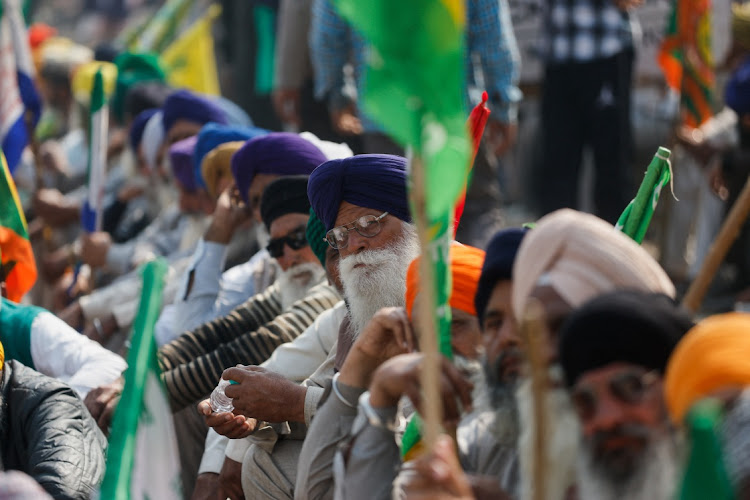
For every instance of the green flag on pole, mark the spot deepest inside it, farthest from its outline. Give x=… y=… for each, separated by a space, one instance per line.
x=414 y=88
x=637 y=216
x=142 y=460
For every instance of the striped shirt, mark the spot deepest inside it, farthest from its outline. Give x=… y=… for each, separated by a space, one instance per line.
x=193 y=363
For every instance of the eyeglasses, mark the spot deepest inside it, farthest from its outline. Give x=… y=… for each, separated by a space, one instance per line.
x=367 y=226
x=627 y=387
x=296 y=240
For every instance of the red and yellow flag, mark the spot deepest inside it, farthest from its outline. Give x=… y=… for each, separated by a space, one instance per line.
x=14 y=238
x=687 y=61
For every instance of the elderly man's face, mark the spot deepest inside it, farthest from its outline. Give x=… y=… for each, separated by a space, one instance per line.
x=499 y=335
x=622 y=412
x=255 y=192
x=390 y=229
x=287 y=226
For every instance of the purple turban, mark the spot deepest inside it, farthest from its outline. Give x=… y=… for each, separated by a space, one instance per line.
x=278 y=153
x=213 y=134
x=184 y=105
x=371 y=181
x=181 y=158
x=138 y=126
x=737 y=93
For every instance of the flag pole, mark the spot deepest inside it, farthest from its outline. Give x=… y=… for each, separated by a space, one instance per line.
x=532 y=333
x=719 y=249
x=430 y=375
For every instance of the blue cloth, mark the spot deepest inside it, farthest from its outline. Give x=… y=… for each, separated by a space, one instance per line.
x=213 y=135
x=377 y=182
x=498 y=265
x=184 y=105
x=235 y=114
x=138 y=126
x=277 y=153
x=490 y=36
x=181 y=159
x=737 y=94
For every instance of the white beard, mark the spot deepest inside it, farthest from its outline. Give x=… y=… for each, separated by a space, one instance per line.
x=295 y=282
x=381 y=282
x=655 y=478
x=561 y=440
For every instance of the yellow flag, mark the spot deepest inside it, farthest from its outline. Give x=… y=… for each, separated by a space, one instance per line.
x=190 y=61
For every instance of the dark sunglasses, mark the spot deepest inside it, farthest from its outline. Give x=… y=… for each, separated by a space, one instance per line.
x=296 y=240
x=627 y=387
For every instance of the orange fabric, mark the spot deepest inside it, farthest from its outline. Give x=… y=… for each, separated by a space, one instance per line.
x=22 y=277
x=713 y=355
x=40 y=32
x=466 y=266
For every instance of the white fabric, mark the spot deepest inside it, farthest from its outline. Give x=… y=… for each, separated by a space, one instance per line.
x=60 y=352
x=213 y=453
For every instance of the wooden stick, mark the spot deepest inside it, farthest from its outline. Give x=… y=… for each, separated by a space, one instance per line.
x=430 y=376
x=719 y=248
x=533 y=334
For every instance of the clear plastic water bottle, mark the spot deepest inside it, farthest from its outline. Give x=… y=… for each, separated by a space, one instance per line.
x=219 y=401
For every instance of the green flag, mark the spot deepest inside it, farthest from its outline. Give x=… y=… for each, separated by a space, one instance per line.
x=142 y=460
x=414 y=88
x=637 y=216
x=705 y=474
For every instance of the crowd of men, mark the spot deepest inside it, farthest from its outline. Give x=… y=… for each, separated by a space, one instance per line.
x=294 y=272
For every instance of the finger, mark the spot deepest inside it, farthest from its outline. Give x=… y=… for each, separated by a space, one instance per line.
x=236 y=374
x=204 y=407
x=218 y=419
x=412 y=343
x=451 y=410
x=462 y=387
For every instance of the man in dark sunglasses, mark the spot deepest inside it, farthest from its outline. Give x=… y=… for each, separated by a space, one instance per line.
x=614 y=352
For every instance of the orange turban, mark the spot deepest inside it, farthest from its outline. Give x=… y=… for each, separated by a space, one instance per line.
x=466 y=266
x=713 y=355
x=217 y=164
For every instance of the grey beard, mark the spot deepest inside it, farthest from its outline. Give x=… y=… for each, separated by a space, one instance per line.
x=496 y=397
x=561 y=440
x=293 y=287
x=735 y=437
x=382 y=283
x=654 y=479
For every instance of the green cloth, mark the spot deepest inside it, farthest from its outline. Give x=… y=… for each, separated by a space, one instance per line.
x=15 y=330
x=132 y=69
x=316 y=233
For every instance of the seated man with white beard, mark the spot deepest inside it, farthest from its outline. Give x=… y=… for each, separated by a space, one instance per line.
x=567 y=259
x=376 y=242
x=613 y=352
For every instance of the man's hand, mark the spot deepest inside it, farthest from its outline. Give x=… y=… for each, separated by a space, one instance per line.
x=207 y=487
x=94 y=248
x=72 y=315
x=388 y=334
x=693 y=140
x=438 y=476
x=101 y=331
x=345 y=122
x=52 y=157
x=102 y=401
x=230 y=479
x=52 y=206
x=226 y=423
x=132 y=189
x=286 y=103
x=230 y=214
x=265 y=395
x=502 y=136
x=401 y=376
x=53 y=264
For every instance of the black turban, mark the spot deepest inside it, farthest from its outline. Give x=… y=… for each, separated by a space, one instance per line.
x=286 y=195
x=624 y=326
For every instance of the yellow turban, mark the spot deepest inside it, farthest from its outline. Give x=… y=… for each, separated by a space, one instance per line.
x=217 y=164
x=582 y=257
x=741 y=25
x=2 y=356
x=713 y=355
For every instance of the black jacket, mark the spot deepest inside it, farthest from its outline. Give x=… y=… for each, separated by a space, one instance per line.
x=47 y=432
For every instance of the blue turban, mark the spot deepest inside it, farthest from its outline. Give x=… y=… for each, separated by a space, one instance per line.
x=372 y=181
x=137 y=127
x=181 y=159
x=277 y=153
x=212 y=135
x=737 y=94
x=498 y=265
x=184 y=105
